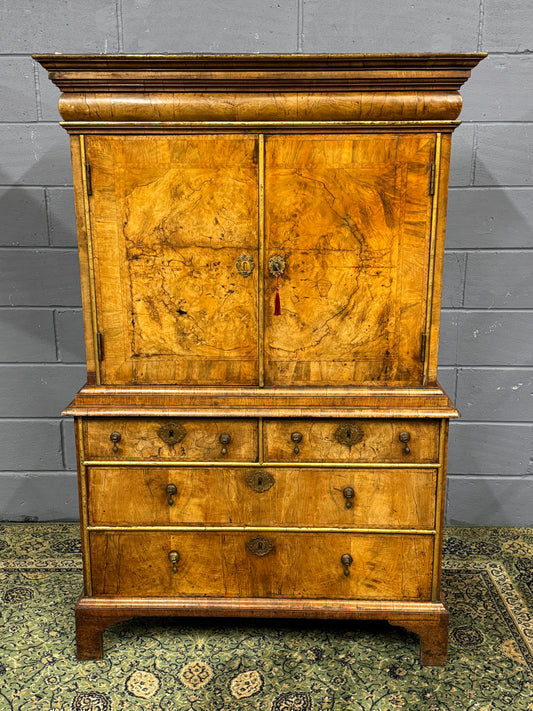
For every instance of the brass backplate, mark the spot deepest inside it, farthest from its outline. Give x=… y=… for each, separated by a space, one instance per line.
x=171 y=433
x=348 y=433
x=260 y=481
x=260 y=546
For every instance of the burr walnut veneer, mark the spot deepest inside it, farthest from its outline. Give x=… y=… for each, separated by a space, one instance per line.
x=261 y=242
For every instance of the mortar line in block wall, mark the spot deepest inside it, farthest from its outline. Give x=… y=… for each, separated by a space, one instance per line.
x=37 y=87
x=503 y=477
x=496 y=423
x=120 y=25
x=300 y=26
x=487 y=310
x=468 y=122
x=481 y=25
x=487 y=186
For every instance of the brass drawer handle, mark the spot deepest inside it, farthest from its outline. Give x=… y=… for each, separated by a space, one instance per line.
x=348 y=494
x=296 y=437
x=224 y=440
x=115 y=437
x=171 y=490
x=346 y=560
x=404 y=437
x=173 y=557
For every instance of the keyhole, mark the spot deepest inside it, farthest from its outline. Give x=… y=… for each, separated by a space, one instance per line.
x=260 y=480
x=349 y=434
x=260 y=546
x=171 y=433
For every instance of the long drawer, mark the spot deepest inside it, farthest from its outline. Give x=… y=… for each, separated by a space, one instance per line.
x=350 y=441
x=368 y=498
x=251 y=564
x=177 y=439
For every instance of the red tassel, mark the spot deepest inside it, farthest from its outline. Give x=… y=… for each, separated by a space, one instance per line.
x=277 y=301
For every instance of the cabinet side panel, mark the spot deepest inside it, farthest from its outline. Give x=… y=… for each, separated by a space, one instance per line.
x=82 y=230
x=441 y=181
x=83 y=499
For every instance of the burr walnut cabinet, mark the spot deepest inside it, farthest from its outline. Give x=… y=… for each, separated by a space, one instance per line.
x=261 y=243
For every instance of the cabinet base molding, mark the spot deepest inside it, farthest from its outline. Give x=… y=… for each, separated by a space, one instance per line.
x=429 y=620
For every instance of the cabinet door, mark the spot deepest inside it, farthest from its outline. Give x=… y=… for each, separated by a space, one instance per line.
x=351 y=215
x=170 y=217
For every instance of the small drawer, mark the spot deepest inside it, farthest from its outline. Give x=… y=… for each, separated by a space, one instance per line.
x=177 y=439
x=262 y=564
x=336 y=498
x=357 y=440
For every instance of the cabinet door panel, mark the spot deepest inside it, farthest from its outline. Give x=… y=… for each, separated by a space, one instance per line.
x=170 y=216
x=352 y=217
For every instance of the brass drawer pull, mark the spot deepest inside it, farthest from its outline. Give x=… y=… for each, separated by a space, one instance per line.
x=260 y=481
x=173 y=557
x=348 y=494
x=224 y=440
x=404 y=437
x=171 y=490
x=296 y=437
x=346 y=560
x=260 y=546
x=115 y=437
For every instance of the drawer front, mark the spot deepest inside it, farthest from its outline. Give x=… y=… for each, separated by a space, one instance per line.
x=351 y=498
x=179 y=439
x=355 y=440
x=266 y=564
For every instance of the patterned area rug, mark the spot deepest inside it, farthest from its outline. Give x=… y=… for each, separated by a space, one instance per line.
x=210 y=665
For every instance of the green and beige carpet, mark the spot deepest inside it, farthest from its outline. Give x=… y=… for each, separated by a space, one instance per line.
x=211 y=665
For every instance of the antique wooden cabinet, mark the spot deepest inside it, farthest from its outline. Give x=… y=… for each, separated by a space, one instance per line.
x=261 y=242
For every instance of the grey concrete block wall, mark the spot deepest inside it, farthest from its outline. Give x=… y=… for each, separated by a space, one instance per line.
x=487 y=318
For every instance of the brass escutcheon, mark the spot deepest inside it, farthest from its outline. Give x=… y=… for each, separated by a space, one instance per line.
x=245 y=265
x=260 y=546
x=171 y=433
x=348 y=434
x=276 y=265
x=260 y=481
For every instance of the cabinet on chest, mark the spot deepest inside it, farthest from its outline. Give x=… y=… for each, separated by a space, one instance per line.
x=261 y=243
